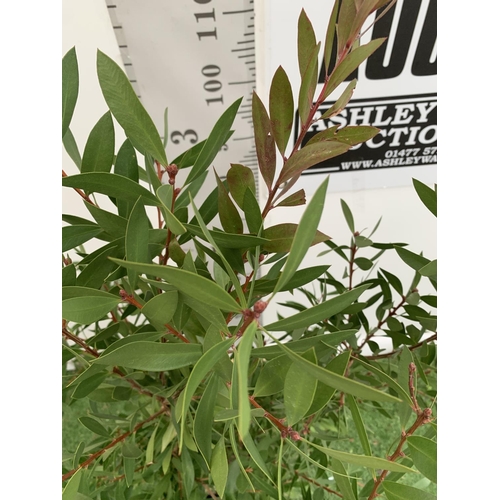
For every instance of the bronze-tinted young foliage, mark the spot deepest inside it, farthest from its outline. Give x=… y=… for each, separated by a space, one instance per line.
x=186 y=389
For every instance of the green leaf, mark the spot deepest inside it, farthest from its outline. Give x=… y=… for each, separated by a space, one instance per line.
x=191 y=284
x=126 y=166
x=215 y=141
x=427 y=195
x=100 y=147
x=363 y=263
x=311 y=155
x=239 y=179
x=152 y=356
x=281 y=108
x=308 y=85
x=272 y=376
x=73 y=236
x=161 y=308
x=69 y=88
x=136 y=239
x=356 y=134
x=414 y=260
x=264 y=141
x=113 y=185
x=71 y=488
x=164 y=194
x=396 y=491
x=423 y=452
x=71 y=148
x=405 y=359
x=362 y=242
x=131 y=450
x=306 y=42
x=302 y=345
x=282 y=237
x=127 y=109
x=348 y=215
x=360 y=426
x=128 y=468
x=294 y=200
x=207 y=361
x=337 y=381
x=299 y=389
x=242 y=361
x=403 y=394
x=318 y=313
x=351 y=62
x=228 y=240
x=203 y=421
x=113 y=224
x=228 y=213
x=219 y=467
x=342 y=101
x=429 y=269
x=330 y=35
x=252 y=212
x=256 y=456
x=340 y=478
x=362 y=460
x=86 y=310
x=304 y=236
x=394 y=281
x=94 y=426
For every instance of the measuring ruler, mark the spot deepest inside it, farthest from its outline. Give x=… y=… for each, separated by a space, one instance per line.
x=194 y=57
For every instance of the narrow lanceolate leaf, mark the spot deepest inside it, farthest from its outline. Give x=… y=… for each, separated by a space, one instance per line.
x=356 y=134
x=337 y=381
x=71 y=148
x=304 y=236
x=253 y=216
x=113 y=224
x=218 y=136
x=199 y=372
x=427 y=195
x=126 y=165
x=191 y=284
x=242 y=361
x=113 y=185
x=345 y=22
x=311 y=155
x=318 y=313
x=423 y=452
x=256 y=456
x=341 y=480
x=342 y=101
x=302 y=345
x=86 y=310
x=403 y=380
x=94 y=426
x=362 y=460
x=219 y=467
x=239 y=179
x=308 y=85
x=330 y=35
x=164 y=194
x=281 y=108
x=69 y=88
x=414 y=260
x=264 y=140
x=161 y=308
x=73 y=236
x=228 y=213
x=100 y=148
x=272 y=376
x=396 y=491
x=347 y=215
x=282 y=237
x=152 y=356
x=360 y=426
x=429 y=269
x=299 y=389
x=306 y=41
x=294 y=200
x=204 y=418
x=136 y=239
x=228 y=240
x=127 y=109
x=351 y=62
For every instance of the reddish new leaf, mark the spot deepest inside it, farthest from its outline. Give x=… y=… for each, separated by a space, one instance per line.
x=281 y=237
x=239 y=179
x=295 y=199
x=281 y=108
x=228 y=213
x=306 y=41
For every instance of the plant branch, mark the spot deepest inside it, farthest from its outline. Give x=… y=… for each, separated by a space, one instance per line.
x=113 y=443
x=80 y=192
x=411 y=348
x=297 y=473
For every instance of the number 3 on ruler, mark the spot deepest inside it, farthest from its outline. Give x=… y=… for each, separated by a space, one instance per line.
x=174 y=136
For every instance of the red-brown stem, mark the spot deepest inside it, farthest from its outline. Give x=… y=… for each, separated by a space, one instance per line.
x=79 y=191
x=286 y=432
x=312 y=481
x=411 y=384
x=169 y=233
x=112 y=444
x=354 y=249
x=80 y=342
